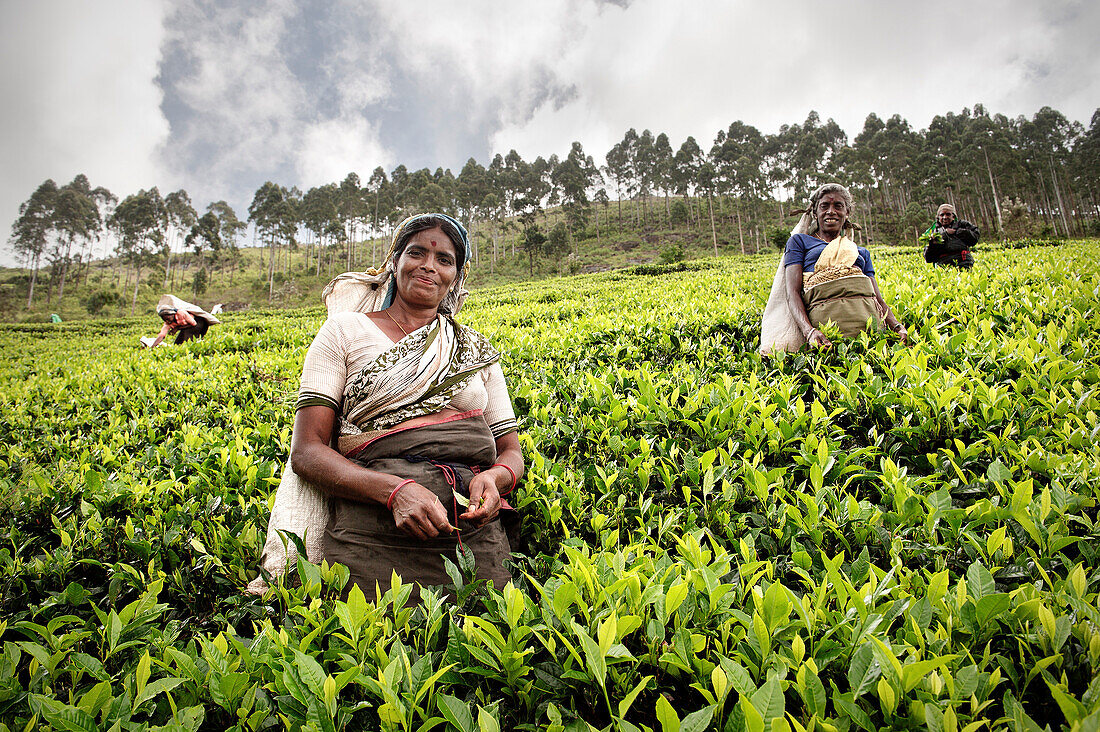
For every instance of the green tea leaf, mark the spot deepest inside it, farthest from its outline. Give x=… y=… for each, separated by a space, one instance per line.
x=979 y=582
x=456 y=712
x=667 y=716
x=992 y=606
x=697 y=721
x=864 y=671
x=998 y=472
x=769 y=701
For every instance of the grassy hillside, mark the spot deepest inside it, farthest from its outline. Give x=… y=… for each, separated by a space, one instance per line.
x=874 y=537
x=105 y=288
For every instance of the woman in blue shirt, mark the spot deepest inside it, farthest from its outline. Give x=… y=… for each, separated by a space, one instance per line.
x=825 y=277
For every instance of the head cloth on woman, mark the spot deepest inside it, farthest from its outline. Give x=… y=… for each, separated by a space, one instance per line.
x=374 y=289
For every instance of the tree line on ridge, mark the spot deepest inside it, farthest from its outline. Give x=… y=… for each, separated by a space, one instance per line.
x=1013 y=176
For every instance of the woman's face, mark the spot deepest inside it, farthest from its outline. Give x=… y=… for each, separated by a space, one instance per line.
x=427 y=268
x=945 y=217
x=832 y=214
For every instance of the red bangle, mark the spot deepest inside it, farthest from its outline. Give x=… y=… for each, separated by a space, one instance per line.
x=502 y=465
x=402 y=484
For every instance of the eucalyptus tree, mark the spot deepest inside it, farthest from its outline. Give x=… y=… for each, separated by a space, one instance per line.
x=274 y=213
x=532 y=188
x=493 y=206
x=688 y=161
x=511 y=176
x=881 y=165
x=205 y=234
x=513 y=179
x=737 y=155
x=618 y=168
x=230 y=229
x=30 y=232
x=76 y=217
x=399 y=178
x=776 y=162
x=816 y=146
x=573 y=177
x=1086 y=167
x=997 y=142
x=432 y=197
x=707 y=181
x=378 y=186
x=320 y=215
x=471 y=188
x=181 y=218
x=644 y=168
x=140 y=223
x=553 y=190
x=353 y=212
x=1047 y=140
x=944 y=141
x=601 y=198
x=663 y=174
x=445 y=179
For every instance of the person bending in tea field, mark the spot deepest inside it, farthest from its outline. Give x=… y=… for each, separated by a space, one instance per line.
x=823 y=277
x=950 y=240
x=403 y=425
x=187 y=321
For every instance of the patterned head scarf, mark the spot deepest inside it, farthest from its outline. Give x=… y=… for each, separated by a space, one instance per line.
x=374 y=289
x=420 y=222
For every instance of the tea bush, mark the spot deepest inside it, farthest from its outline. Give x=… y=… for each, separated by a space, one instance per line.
x=874 y=537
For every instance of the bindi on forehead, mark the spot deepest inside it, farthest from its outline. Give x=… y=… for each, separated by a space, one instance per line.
x=434 y=243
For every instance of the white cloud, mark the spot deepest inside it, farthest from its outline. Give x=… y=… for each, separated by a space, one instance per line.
x=691 y=69
x=302 y=93
x=80 y=96
x=241 y=98
x=333 y=148
x=267 y=99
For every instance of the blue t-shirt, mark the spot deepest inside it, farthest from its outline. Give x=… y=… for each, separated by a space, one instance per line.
x=805 y=249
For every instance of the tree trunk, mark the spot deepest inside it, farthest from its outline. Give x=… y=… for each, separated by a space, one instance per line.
x=1054 y=181
x=619 y=196
x=713 y=231
x=996 y=198
x=64 y=271
x=167 y=266
x=34 y=280
x=740 y=233
x=137 y=283
x=271 y=271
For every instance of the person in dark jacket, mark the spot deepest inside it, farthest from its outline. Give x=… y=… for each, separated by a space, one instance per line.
x=952 y=240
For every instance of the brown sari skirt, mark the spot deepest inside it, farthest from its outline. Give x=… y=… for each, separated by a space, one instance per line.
x=849 y=302
x=363 y=536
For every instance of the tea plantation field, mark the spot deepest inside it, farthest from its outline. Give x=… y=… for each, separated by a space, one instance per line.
x=874 y=537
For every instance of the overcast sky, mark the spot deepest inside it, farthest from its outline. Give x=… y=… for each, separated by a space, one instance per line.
x=218 y=97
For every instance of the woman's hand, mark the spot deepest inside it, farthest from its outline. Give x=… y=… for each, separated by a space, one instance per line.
x=817 y=339
x=484 y=500
x=814 y=337
x=418 y=513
